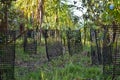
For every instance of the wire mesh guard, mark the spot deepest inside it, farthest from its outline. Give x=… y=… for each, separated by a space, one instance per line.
x=111 y=67
x=112 y=70
x=74 y=41
x=30 y=44
x=53 y=43
x=7 y=58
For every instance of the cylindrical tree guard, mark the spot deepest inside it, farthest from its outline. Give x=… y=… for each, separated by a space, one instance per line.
x=53 y=43
x=74 y=41
x=30 y=43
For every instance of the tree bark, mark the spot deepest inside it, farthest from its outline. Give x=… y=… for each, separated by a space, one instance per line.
x=107 y=55
x=94 y=57
x=97 y=48
x=40 y=15
x=46 y=44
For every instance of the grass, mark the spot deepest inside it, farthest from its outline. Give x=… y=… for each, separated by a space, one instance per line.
x=70 y=70
x=66 y=67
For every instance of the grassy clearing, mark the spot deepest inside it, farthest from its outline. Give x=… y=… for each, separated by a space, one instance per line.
x=70 y=70
x=66 y=67
x=76 y=67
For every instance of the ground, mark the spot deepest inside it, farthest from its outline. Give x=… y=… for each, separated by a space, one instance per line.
x=65 y=67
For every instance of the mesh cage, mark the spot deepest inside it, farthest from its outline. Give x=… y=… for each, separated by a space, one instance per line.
x=116 y=58
x=111 y=58
x=74 y=41
x=30 y=44
x=7 y=57
x=53 y=43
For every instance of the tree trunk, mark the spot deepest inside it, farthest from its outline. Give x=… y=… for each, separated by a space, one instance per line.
x=94 y=56
x=85 y=35
x=25 y=42
x=107 y=56
x=97 y=48
x=68 y=42
x=40 y=15
x=46 y=44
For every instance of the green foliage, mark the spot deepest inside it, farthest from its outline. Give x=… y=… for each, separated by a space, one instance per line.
x=99 y=12
x=56 y=15
x=111 y=15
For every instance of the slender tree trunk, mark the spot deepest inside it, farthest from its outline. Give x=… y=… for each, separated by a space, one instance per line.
x=78 y=43
x=46 y=44
x=85 y=35
x=40 y=15
x=114 y=27
x=97 y=49
x=107 y=56
x=25 y=42
x=68 y=42
x=81 y=45
x=94 y=56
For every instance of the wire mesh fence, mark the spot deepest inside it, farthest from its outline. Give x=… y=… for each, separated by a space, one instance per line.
x=111 y=56
x=7 y=56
